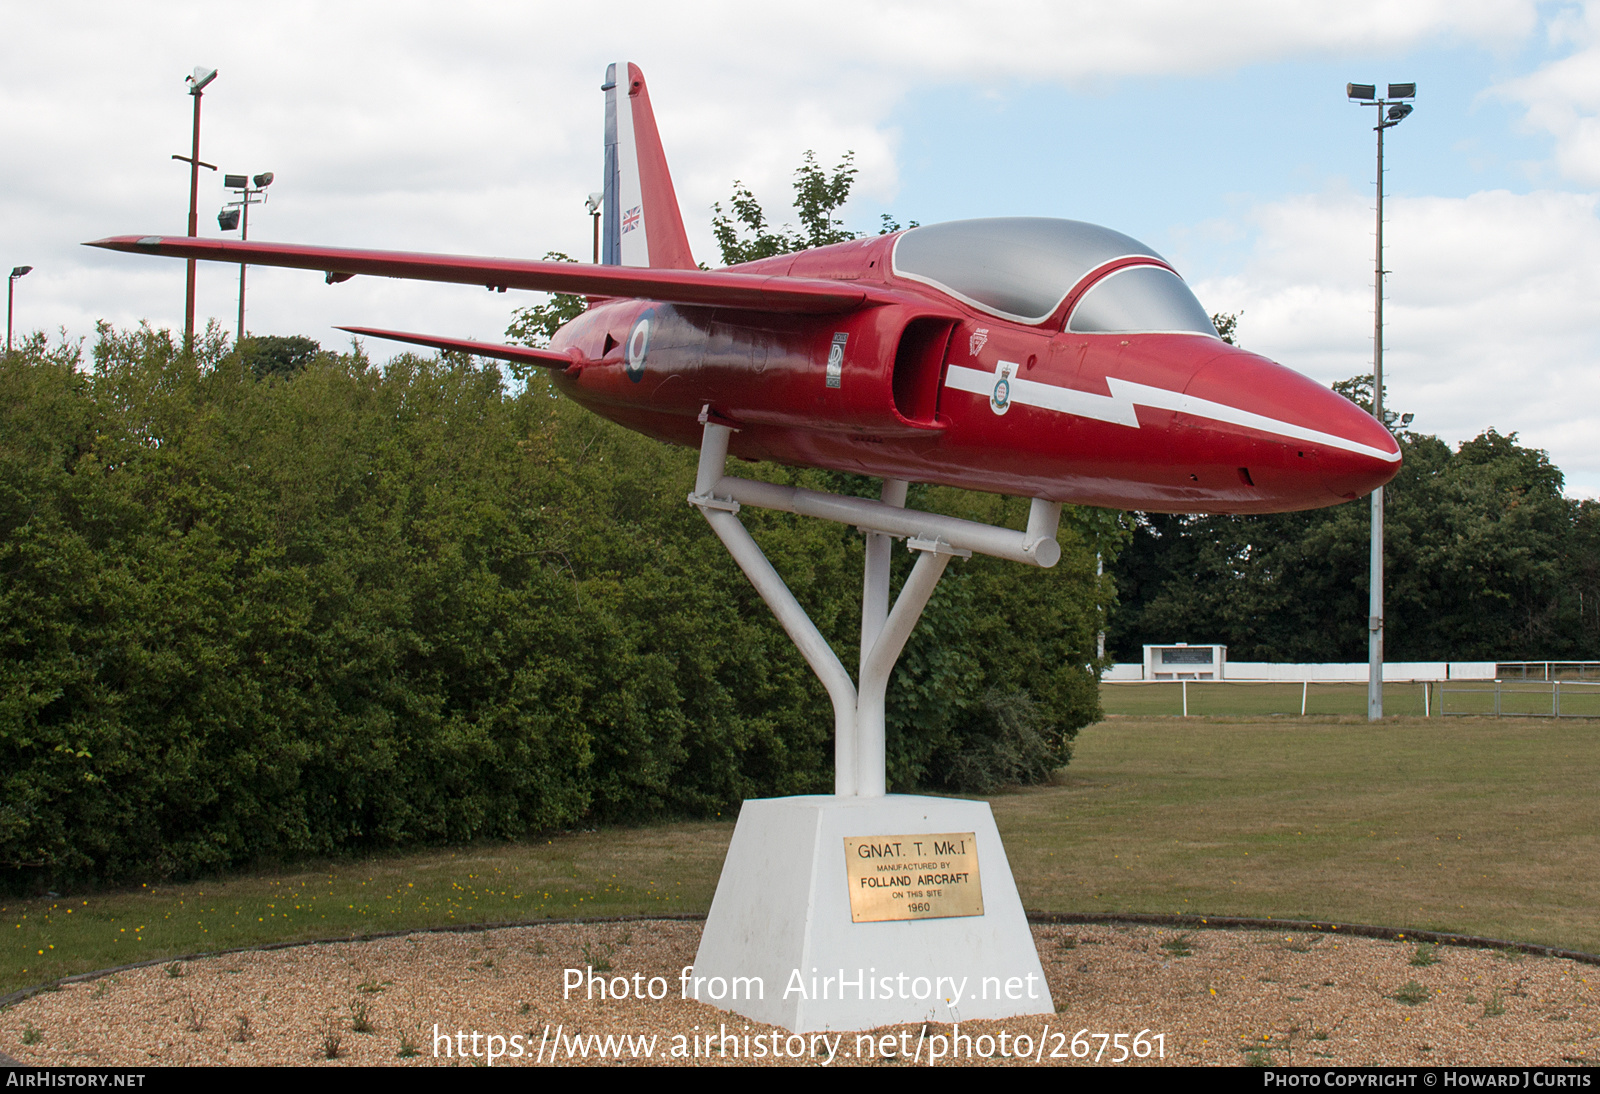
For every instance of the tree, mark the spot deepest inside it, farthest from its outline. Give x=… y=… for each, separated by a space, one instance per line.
x=1485 y=559
x=816 y=197
x=274 y=355
x=747 y=235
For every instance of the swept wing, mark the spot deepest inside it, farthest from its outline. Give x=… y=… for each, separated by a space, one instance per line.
x=542 y=358
x=708 y=288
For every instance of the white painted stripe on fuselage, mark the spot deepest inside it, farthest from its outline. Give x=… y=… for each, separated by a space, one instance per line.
x=1118 y=407
x=1063 y=400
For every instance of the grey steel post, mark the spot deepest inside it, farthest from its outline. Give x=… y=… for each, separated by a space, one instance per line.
x=244 y=236
x=1390 y=114
x=1375 y=579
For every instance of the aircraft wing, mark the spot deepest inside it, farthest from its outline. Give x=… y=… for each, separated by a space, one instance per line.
x=709 y=288
x=543 y=358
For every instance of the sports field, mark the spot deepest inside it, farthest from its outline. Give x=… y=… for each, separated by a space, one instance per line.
x=1478 y=825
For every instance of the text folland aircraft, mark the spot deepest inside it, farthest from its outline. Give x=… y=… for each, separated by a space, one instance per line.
x=1049 y=359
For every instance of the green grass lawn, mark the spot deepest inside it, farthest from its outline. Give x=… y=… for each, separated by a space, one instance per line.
x=1485 y=826
x=664 y=869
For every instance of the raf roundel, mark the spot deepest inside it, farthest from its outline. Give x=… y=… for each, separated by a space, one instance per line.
x=639 y=345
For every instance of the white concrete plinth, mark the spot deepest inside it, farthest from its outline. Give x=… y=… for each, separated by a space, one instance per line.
x=783 y=906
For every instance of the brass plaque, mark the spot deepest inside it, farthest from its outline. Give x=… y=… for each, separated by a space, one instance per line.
x=920 y=876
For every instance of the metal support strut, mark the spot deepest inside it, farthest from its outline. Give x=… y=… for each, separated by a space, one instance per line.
x=859 y=750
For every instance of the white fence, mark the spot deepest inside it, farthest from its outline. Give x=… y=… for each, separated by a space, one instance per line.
x=1523 y=698
x=1548 y=670
x=1328 y=673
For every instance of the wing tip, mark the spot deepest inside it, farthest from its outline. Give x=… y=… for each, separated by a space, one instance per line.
x=126 y=243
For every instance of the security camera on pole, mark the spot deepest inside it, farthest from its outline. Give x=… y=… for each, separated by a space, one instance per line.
x=236 y=214
x=1391 y=112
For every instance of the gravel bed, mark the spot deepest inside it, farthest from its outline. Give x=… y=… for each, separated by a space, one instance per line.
x=1214 y=997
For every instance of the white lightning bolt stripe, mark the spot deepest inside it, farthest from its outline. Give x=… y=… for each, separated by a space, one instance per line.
x=1118 y=407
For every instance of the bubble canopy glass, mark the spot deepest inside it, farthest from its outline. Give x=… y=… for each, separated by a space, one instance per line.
x=1022 y=268
x=1140 y=298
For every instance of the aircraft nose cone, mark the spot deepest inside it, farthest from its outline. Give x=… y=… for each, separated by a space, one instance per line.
x=1312 y=447
x=1352 y=474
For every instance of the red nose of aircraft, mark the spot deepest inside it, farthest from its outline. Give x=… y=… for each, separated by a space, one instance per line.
x=1294 y=443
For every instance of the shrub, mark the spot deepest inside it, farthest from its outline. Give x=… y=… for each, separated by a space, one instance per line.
x=247 y=622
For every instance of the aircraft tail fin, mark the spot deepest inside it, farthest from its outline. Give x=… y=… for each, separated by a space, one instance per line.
x=641 y=221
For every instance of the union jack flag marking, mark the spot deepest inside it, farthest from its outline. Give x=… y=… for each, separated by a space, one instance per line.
x=630 y=219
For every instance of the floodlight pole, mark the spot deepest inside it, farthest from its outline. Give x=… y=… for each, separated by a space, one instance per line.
x=1390 y=114
x=244 y=235
x=248 y=196
x=1375 y=577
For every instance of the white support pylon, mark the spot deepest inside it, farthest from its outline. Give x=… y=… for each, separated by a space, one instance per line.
x=860 y=732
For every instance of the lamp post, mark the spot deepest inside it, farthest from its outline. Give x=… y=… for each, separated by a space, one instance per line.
x=11 y=288
x=1391 y=112
x=236 y=214
x=197 y=83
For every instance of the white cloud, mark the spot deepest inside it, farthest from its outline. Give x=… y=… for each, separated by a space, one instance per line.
x=1491 y=316
x=1563 y=98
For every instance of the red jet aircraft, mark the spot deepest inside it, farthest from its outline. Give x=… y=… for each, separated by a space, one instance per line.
x=1049 y=359
x=1044 y=358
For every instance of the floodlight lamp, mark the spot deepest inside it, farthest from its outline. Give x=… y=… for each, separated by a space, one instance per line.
x=235 y=182
x=20 y=271
x=1405 y=419
x=1398 y=111
x=263 y=180
x=1402 y=91
x=592 y=202
x=1361 y=91
x=228 y=219
x=202 y=76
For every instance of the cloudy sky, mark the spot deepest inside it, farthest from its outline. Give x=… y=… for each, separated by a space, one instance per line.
x=1218 y=133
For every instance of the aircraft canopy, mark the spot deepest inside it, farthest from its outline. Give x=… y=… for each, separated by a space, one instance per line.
x=1140 y=298
x=1022 y=268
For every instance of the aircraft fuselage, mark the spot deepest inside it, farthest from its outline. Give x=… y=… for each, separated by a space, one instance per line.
x=930 y=389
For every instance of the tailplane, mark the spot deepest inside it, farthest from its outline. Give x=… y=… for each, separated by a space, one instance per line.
x=642 y=223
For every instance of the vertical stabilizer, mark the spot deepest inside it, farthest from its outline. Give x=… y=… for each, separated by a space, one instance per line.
x=642 y=223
